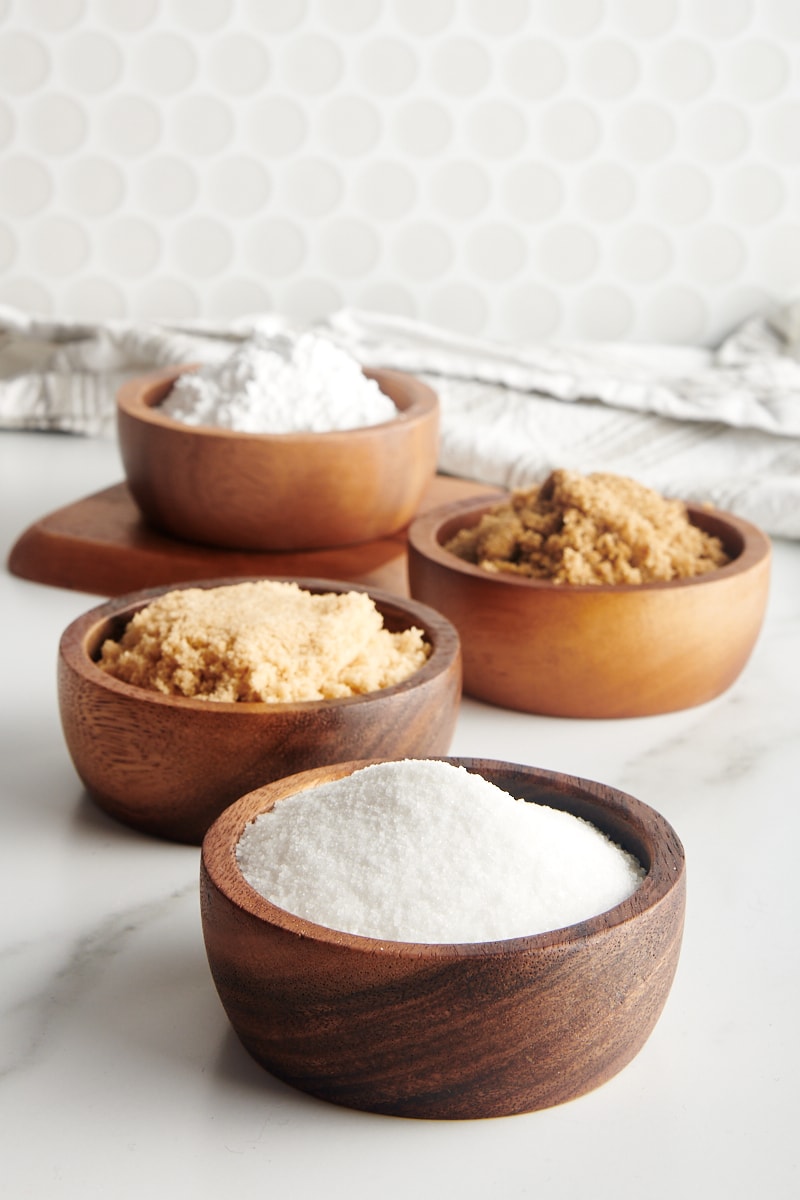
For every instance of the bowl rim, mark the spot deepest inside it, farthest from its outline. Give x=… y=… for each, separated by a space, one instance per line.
x=138 y=399
x=424 y=539
x=665 y=871
x=75 y=641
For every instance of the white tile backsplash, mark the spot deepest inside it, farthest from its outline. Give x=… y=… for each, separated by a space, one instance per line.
x=622 y=169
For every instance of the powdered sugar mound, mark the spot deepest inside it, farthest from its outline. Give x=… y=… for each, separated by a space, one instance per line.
x=282 y=384
x=425 y=851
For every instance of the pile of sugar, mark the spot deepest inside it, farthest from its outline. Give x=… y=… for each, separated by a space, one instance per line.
x=425 y=851
x=282 y=384
x=265 y=641
x=598 y=528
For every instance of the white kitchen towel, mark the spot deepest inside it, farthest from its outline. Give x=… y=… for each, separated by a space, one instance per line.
x=721 y=425
x=59 y=375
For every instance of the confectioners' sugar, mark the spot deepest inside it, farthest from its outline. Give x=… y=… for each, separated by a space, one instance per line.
x=283 y=384
x=425 y=851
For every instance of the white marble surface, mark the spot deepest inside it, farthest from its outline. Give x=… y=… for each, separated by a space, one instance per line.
x=120 y=1076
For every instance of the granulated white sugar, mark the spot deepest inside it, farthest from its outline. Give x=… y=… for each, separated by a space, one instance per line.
x=425 y=851
x=283 y=384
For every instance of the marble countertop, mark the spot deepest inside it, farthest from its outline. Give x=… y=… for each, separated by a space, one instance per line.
x=121 y=1078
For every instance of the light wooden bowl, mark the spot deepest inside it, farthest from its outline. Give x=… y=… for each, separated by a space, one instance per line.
x=595 y=650
x=448 y=1031
x=168 y=765
x=289 y=491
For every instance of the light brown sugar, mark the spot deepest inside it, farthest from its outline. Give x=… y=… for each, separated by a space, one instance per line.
x=263 y=641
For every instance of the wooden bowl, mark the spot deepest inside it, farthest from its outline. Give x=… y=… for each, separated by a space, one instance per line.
x=168 y=765
x=595 y=650
x=448 y=1031
x=288 y=491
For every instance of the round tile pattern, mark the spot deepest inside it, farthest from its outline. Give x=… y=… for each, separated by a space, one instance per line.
x=556 y=169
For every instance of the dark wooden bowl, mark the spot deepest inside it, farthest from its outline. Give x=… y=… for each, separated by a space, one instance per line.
x=168 y=765
x=288 y=491
x=595 y=650
x=448 y=1031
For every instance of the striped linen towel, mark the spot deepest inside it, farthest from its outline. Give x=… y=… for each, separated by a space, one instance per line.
x=709 y=425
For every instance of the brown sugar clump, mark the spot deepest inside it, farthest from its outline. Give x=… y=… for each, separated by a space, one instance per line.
x=597 y=528
x=265 y=641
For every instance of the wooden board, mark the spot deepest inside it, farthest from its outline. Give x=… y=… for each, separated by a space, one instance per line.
x=102 y=545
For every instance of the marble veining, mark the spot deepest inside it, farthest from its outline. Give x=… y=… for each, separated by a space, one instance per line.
x=120 y=1075
x=77 y=966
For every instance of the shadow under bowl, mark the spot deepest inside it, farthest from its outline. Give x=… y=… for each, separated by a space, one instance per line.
x=595 y=650
x=169 y=765
x=448 y=1031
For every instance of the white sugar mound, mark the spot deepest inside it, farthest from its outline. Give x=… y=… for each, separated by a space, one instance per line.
x=283 y=384
x=425 y=851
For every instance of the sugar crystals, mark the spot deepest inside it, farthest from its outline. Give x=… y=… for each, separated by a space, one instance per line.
x=282 y=384
x=425 y=851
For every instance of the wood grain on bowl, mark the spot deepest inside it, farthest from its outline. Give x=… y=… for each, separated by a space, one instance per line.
x=168 y=765
x=291 y=491
x=596 y=650
x=448 y=1031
